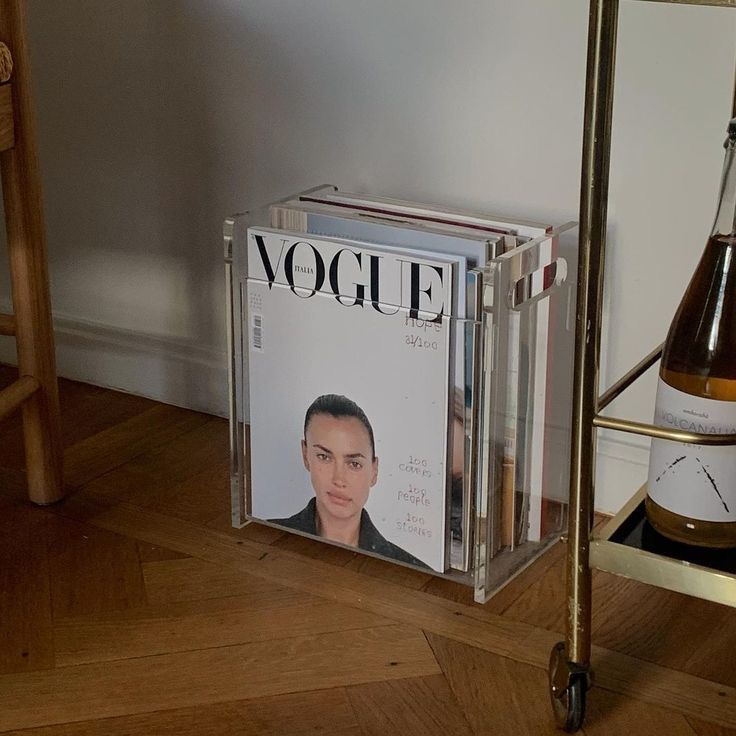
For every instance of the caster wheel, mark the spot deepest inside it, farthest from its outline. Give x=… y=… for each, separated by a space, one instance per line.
x=567 y=692
x=569 y=709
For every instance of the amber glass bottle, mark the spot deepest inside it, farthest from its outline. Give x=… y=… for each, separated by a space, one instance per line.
x=692 y=488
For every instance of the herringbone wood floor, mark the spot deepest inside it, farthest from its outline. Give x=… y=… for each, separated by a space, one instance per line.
x=132 y=608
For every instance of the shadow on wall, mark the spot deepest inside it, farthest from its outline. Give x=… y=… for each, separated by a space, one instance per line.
x=157 y=120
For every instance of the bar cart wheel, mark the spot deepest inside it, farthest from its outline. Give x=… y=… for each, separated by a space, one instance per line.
x=568 y=686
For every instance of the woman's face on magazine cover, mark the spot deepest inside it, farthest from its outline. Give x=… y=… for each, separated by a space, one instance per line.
x=338 y=455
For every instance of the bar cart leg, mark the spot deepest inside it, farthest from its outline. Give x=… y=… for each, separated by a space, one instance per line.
x=569 y=668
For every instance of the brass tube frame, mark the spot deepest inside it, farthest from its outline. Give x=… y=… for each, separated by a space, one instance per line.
x=601 y=62
x=661 y=433
x=602 y=31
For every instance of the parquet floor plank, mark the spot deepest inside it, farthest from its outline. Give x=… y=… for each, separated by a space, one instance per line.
x=26 y=633
x=422 y=706
x=388 y=571
x=713 y=660
x=610 y=713
x=187 y=479
x=152 y=553
x=507 y=595
x=111 y=448
x=202 y=498
x=133 y=608
x=277 y=613
x=320 y=713
x=147 y=684
x=537 y=595
x=205 y=447
x=88 y=410
x=85 y=411
x=317 y=577
x=642 y=680
x=495 y=633
x=703 y=728
x=210 y=720
x=192 y=579
x=91 y=570
x=147 y=478
x=256 y=532
x=652 y=624
x=481 y=680
x=305 y=547
x=327 y=712
x=543 y=602
x=671 y=629
x=498 y=696
x=450 y=591
x=13 y=484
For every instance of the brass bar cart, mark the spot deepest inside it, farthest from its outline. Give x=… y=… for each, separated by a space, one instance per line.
x=623 y=546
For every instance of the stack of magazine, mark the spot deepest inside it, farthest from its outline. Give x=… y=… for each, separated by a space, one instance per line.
x=391 y=377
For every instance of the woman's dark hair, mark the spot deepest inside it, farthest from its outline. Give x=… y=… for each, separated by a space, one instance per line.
x=338 y=406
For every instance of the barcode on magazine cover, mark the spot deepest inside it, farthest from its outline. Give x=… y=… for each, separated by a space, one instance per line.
x=258 y=332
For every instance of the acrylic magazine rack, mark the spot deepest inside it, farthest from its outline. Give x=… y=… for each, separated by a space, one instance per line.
x=510 y=398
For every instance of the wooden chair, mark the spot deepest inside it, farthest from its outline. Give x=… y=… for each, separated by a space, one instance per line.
x=36 y=389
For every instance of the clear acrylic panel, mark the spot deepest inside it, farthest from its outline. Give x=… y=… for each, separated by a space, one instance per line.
x=236 y=268
x=528 y=331
x=515 y=407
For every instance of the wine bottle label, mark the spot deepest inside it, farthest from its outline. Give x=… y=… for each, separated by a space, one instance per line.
x=696 y=481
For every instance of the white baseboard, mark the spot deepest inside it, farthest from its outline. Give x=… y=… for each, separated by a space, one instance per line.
x=159 y=368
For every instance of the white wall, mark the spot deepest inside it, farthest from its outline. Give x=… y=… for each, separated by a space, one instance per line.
x=158 y=118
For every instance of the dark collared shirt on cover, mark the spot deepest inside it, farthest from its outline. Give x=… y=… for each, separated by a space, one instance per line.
x=369 y=539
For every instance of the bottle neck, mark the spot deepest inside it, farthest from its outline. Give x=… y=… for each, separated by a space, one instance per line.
x=725 y=222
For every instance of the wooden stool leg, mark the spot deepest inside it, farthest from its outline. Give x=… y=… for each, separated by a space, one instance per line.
x=29 y=276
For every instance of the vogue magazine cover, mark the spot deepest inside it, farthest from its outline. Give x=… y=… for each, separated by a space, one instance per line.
x=349 y=368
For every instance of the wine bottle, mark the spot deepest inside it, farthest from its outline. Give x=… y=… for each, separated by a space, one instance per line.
x=691 y=490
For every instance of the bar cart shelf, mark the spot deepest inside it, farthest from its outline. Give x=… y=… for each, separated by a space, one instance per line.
x=627 y=545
